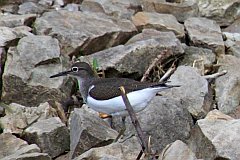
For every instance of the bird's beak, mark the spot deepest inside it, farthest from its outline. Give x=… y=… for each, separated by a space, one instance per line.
x=61 y=74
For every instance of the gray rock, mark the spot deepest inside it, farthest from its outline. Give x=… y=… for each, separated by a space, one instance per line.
x=224 y=12
x=9 y=8
x=46 y=2
x=165 y=120
x=17 y=20
x=88 y=131
x=205 y=33
x=161 y=22
x=118 y=58
x=78 y=31
x=28 y=68
x=32 y=156
x=232 y=43
x=127 y=150
x=216 y=137
x=200 y=58
x=181 y=11
x=118 y=9
x=227 y=86
x=51 y=135
x=234 y=27
x=8 y=37
x=72 y=7
x=22 y=31
x=12 y=147
x=177 y=151
x=195 y=93
x=30 y=7
x=18 y=117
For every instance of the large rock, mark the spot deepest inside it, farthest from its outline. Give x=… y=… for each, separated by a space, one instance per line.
x=194 y=93
x=228 y=86
x=18 y=117
x=165 y=120
x=205 y=33
x=182 y=11
x=17 y=20
x=28 y=68
x=8 y=37
x=161 y=22
x=234 y=27
x=126 y=150
x=116 y=59
x=177 y=151
x=30 y=7
x=216 y=137
x=51 y=135
x=12 y=147
x=78 y=32
x=121 y=9
x=88 y=131
x=224 y=12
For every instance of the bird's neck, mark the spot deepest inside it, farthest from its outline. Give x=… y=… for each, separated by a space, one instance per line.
x=84 y=84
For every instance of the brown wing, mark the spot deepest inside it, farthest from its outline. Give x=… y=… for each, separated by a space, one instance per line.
x=109 y=87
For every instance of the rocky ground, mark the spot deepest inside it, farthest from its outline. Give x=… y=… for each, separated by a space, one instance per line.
x=198 y=39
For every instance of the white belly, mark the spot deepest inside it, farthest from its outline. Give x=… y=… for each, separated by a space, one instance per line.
x=138 y=99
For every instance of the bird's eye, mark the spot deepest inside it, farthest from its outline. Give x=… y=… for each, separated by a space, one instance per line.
x=75 y=69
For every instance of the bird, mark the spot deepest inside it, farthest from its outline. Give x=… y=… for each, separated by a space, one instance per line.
x=103 y=94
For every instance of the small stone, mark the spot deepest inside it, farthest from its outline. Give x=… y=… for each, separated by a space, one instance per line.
x=17 y=20
x=8 y=37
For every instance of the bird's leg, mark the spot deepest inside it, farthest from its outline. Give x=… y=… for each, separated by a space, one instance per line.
x=123 y=129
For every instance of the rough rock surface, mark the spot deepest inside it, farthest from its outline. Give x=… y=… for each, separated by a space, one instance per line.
x=88 y=131
x=182 y=11
x=165 y=120
x=208 y=35
x=232 y=43
x=12 y=147
x=8 y=37
x=177 y=151
x=27 y=71
x=18 y=117
x=51 y=135
x=194 y=93
x=17 y=20
x=216 y=137
x=126 y=150
x=234 y=27
x=227 y=86
x=77 y=31
x=224 y=12
x=161 y=22
x=118 y=58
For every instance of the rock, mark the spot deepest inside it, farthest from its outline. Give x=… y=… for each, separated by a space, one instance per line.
x=116 y=59
x=234 y=27
x=205 y=33
x=8 y=37
x=28 y=68
x=227 y=86
x=88 y=131
x=126 y=150
x=46 y=2
x=224 y=12
x=72 y=7
x=18 y=117
x=9 y=8
x=51 y=135
x=177 y=151
x=119 y=9
x=200 y=58
x=23 y=31
x=232 y=43
x=17 y=20
x=12 y=147
x=181 y=11
x=194 y=93
x=30 y=7
x=216 y=138
x=79 y=31
x=161 y=22
x=165 y=120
